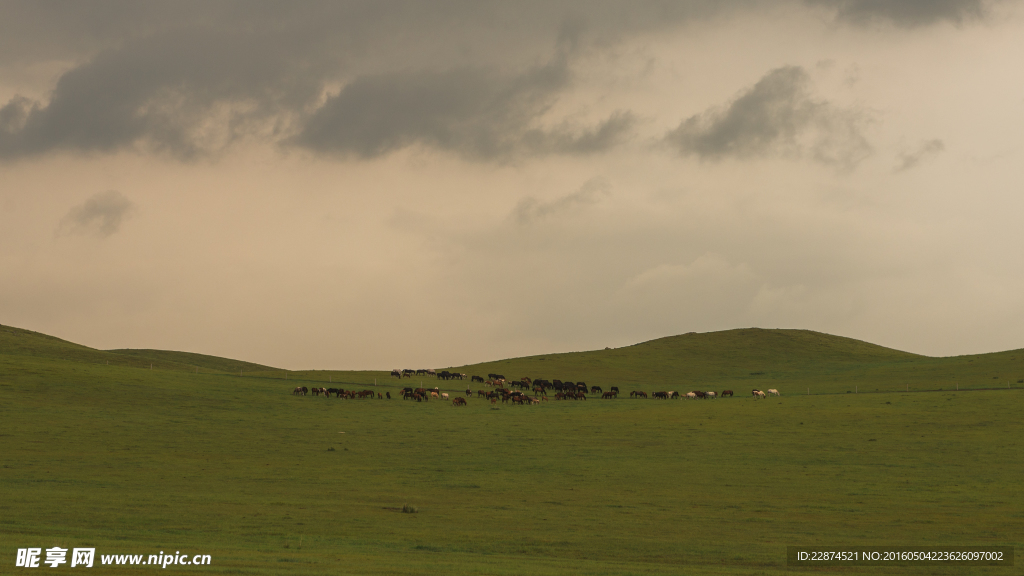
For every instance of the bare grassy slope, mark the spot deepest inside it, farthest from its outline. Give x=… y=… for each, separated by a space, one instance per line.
x=215 y=363
x=754 y=357
x=21 y=342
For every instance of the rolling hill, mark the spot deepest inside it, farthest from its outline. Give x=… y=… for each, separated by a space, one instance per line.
x=800 y=361
x=759 y=358
x=20 y=342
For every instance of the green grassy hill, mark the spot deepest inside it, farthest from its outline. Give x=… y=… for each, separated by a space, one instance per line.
x=20 y=342
x=213 y=363
x=793 y=360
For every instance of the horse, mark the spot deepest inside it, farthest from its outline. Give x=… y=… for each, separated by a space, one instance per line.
x=711 y=394
x=609 y=394
x=773 y=392
x=460 y=401
x=661 y=395
x=691 y=395
x=757 y=394
x=726 y=393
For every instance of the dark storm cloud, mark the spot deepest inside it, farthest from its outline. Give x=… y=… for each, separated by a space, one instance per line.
x=101 y=215
x=477 y=113
x=926 y=151
x=158 y=91
x=905 y=13
x=190 y=78
x=777 y=116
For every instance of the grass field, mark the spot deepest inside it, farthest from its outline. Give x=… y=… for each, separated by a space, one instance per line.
x=134 y=460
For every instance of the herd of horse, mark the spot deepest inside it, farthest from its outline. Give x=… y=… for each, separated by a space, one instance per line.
x=503 y=391
x=338 y=392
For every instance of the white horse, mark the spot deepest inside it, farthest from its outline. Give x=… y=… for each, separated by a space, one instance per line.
x=773 y=392
x=691 y=395
x=711 y=394
x=444 y=395
x=758 y=394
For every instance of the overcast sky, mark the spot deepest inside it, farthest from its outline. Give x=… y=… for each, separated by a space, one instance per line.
x=422 y=184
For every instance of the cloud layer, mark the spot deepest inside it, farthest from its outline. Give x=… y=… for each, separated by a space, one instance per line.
x=906 y=13
x=363 y=79
x=777 y=116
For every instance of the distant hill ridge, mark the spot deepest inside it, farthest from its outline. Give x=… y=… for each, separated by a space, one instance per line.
x=792 y=360
x=21 y=342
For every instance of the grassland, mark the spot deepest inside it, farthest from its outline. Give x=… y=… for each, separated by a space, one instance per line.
x=134 y=460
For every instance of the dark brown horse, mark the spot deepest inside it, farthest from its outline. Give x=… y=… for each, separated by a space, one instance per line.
x=726 y=393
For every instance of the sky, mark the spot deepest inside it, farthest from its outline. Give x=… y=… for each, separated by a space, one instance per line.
x=377 y=185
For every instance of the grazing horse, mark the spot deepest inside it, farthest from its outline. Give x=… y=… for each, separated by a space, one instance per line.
x=297 y=391
x=609 y=394
x=711 y=394
x=460 y=401
x=773 y=392
x=691 y=395
x=595 y=389
x=757 y=394
x=444 y=395
x=396 y=373
x=476 y=379
x=726 y=393
x=638 y=394
x=660 y=395
x=389 y=395
x=699 y=394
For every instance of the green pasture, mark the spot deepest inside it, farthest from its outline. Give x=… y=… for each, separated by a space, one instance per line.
x=134 y=460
